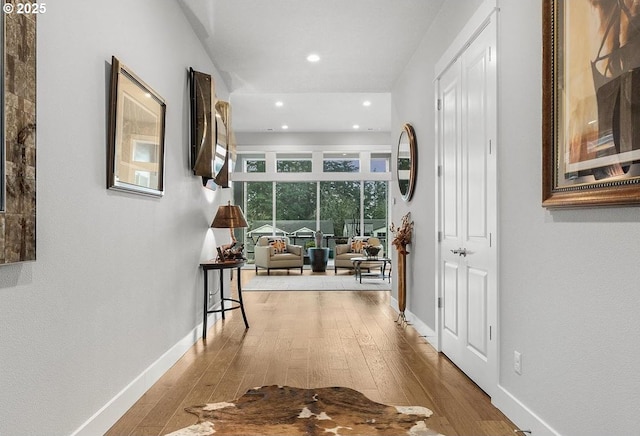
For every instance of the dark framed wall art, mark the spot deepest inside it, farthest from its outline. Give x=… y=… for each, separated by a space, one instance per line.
x=210 y=132
x=136 y=134
x=18 y=138
x=591 y=103
x=203 y=129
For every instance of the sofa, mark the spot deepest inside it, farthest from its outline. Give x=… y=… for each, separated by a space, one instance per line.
x=276 y=252
x=355 y=248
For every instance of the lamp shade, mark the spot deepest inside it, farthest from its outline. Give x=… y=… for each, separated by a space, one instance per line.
x=229 y=217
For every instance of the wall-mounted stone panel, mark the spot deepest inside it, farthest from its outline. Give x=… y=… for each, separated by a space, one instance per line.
x=18 y=220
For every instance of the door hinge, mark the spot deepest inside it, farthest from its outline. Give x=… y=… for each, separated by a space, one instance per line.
x=490 y=146
x=490 y=332
x=490 y=240
x=489 y=53
x=439 y=171
x=439 y=236
x=439 y=302
x=439 y=103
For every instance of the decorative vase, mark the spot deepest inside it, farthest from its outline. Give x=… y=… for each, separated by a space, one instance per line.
x=318 y=237
x=402 y=282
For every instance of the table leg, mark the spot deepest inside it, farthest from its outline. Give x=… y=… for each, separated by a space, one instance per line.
x=205 y=307
x=221 y=273
x=244 y=316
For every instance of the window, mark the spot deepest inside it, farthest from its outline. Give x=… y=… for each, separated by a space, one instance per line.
x=289 y=198
x=294 y=202
x=259 y=201
x=340 y=203
x=255 y=166
x=375 y=209
x=251 y=163
x=341 y=163
x=293 y=163
x=380 y=163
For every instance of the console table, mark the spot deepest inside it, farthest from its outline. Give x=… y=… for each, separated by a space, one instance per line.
x=221 y=266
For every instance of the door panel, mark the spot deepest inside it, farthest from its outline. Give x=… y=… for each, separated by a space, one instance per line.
x=451 y=187
x=476 y=153
x=451 y=298
x=477 y=337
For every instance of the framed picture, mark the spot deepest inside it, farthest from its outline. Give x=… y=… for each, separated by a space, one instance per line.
x=136 y=134
x=203 y=130
x=210 y=119
x=591 y=103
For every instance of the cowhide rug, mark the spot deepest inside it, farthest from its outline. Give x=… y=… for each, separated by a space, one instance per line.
x=283 y=410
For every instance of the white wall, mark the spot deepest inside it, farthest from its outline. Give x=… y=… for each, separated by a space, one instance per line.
x=116 y=282
x=568 y=279
x=569 y=294
x=413 y=101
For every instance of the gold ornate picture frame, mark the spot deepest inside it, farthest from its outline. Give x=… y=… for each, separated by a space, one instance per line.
x=591 y=103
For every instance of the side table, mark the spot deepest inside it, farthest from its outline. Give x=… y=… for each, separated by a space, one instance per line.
x=221 y=266
x=371 y=261
x=318 y=257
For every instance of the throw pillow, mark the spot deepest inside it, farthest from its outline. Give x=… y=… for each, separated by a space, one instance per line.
x=358 y=245
x=278 y=246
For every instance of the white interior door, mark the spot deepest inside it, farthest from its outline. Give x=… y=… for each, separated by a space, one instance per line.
x=467 y=194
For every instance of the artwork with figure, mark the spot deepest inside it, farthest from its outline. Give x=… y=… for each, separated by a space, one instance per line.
x=598 y=85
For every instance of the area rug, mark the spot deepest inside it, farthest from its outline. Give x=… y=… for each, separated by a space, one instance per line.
x=283 y=410
x=320 y=282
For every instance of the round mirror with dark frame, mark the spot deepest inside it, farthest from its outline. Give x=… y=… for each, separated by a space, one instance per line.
x=407 y=161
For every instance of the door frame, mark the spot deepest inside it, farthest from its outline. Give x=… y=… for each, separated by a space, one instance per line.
x=485 y=15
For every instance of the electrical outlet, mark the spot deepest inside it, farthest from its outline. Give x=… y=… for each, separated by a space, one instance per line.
x=517 y=362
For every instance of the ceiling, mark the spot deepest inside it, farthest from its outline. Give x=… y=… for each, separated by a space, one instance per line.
x=260 y=48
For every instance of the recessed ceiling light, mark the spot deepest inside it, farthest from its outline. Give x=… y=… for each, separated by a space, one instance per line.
x=356 y=126
x=279 y=104
x=366 y=103
x=313 y=57
x=285 y=127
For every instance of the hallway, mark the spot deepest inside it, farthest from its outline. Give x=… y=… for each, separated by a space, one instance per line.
x=313 y=339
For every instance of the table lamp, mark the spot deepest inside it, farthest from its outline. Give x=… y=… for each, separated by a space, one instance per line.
x=229 y=217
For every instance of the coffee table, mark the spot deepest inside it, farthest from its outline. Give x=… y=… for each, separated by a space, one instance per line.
x=368 y=262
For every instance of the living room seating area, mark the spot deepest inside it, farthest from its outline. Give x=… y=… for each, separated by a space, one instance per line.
x=355 y=247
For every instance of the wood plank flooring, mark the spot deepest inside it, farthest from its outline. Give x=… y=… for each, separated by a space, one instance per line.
x=315 y=339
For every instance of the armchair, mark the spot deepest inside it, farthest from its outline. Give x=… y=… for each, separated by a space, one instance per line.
x=275 y=252
x=355 y=248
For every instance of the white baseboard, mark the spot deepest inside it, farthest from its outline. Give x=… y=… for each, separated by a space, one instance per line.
x=109 y=414
x=426 y=331
x=521 y=415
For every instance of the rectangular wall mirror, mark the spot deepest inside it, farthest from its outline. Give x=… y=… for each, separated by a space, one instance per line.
x=136 y=134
